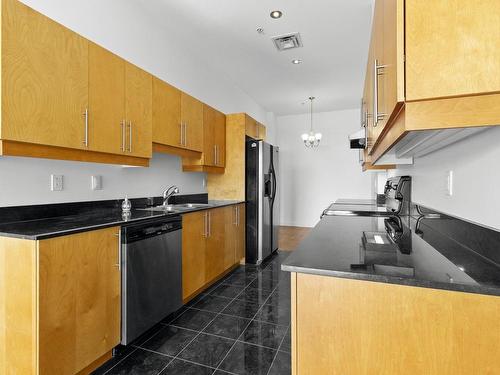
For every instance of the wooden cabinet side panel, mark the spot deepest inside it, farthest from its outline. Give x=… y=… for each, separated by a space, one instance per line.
x=139 y=111
x=231 y=184
x=193 y=252
x=18 y=307
x=166 y=114
x=44 y=79
x=107 y=100
x=215 y=244
x=79 y=294
x=393 y=329
x=451 y=48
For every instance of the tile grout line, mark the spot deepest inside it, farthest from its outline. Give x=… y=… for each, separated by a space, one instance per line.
x=243 y=331
x=204 y=327
x=277 y=351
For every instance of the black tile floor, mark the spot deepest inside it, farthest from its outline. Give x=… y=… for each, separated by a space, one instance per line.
x=240 y=325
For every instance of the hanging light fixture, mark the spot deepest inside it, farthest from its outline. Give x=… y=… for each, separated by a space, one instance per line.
x=311 y=139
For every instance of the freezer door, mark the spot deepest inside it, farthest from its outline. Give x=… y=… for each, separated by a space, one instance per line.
x=275 y=198
x=265 y=216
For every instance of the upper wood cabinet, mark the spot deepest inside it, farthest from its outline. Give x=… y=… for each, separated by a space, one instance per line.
x=177 y=121
x=138 y=111
x=107 y=101
x=452 y=48
x=432 y=70
x=59 y=89
x=166 y=114
x=192 y=122
x=213 y=158
x=255 y=129
x=60 y=302
x=44 y=79
x=120 y=111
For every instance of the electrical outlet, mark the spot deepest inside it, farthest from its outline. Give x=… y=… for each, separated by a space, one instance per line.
x=56 y=182
x=449 y=183
x=96 y=182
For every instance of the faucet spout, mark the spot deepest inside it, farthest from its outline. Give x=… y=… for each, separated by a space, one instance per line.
x=172 y=190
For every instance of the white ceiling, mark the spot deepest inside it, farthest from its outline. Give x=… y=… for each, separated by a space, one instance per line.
x=222 y=33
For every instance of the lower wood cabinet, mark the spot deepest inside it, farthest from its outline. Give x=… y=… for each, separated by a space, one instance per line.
x=355 y=327
x=62 y=302
x=213 y=241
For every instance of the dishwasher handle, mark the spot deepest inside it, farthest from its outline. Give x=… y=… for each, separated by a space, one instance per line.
x=142 y=232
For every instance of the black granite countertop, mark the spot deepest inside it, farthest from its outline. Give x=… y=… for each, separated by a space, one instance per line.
x=422 y=252
x=95 y=218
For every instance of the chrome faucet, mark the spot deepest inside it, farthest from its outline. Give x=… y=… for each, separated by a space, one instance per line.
x=168 y=193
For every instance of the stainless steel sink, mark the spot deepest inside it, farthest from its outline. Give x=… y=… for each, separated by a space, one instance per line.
x=178 y=207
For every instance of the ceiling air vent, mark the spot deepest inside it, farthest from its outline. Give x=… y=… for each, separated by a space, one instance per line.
x=288 y=41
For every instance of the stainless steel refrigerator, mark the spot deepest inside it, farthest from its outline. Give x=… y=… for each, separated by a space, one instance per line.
x=262 y=196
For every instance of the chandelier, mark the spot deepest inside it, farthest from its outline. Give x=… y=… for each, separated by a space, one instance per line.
x=311 y=139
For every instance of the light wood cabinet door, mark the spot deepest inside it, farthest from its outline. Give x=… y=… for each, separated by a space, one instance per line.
x=215 y=244
x=166 y=114
x=194 y=231
x=79 y=300
x=251 y=127
x=230 y=236
x=107 y=101
x=45 y=79
x=192 y=118
x=138 y=111
x=240 y=233
x=220 y=139
x=452 y=48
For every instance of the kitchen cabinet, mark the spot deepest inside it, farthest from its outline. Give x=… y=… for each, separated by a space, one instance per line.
x=397 y=329
x=214 y=144
x=44 y=79
x=194 y=233
x=177 y=121
x=166 y=114
x=63 y=97
x=211 y=240
x=138 y=111
x=231 y=184
x=120 y=113
x=62 y=302
x=235 y=235
x=431 y=85
x=254 y=129
x=215 y=243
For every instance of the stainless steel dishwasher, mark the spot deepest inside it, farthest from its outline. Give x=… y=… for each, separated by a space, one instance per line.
x=151 y=274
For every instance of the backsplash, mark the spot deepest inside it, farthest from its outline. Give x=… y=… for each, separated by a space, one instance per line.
x=26 y=181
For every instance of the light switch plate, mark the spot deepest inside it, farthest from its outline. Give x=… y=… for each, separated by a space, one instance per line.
x=96 y=182
x=56 y=182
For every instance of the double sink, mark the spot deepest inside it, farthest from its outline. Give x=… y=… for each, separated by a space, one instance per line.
x=182 y=207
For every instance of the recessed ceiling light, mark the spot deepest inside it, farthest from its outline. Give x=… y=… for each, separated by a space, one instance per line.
x=276 y=14
x=296 y=61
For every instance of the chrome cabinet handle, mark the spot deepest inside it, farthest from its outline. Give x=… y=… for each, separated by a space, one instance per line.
x=215 y=154
x=209 y=224
x=185 y=134
x=205 y=225
x=86 y=120
x=122 y=124
x=235 y=222
x=237 y=216
x=181 y=142
x=130 y=136
x=119 y=264
x=376 y=72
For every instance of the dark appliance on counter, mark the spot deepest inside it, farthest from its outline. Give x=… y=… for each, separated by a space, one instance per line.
x=262 y=210
x=397 y=192
x=151 y=261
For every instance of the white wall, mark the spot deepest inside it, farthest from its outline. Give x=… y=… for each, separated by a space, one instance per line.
x=26 y=181
x=476 y=174
x=122 y=27
x=311 y=179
